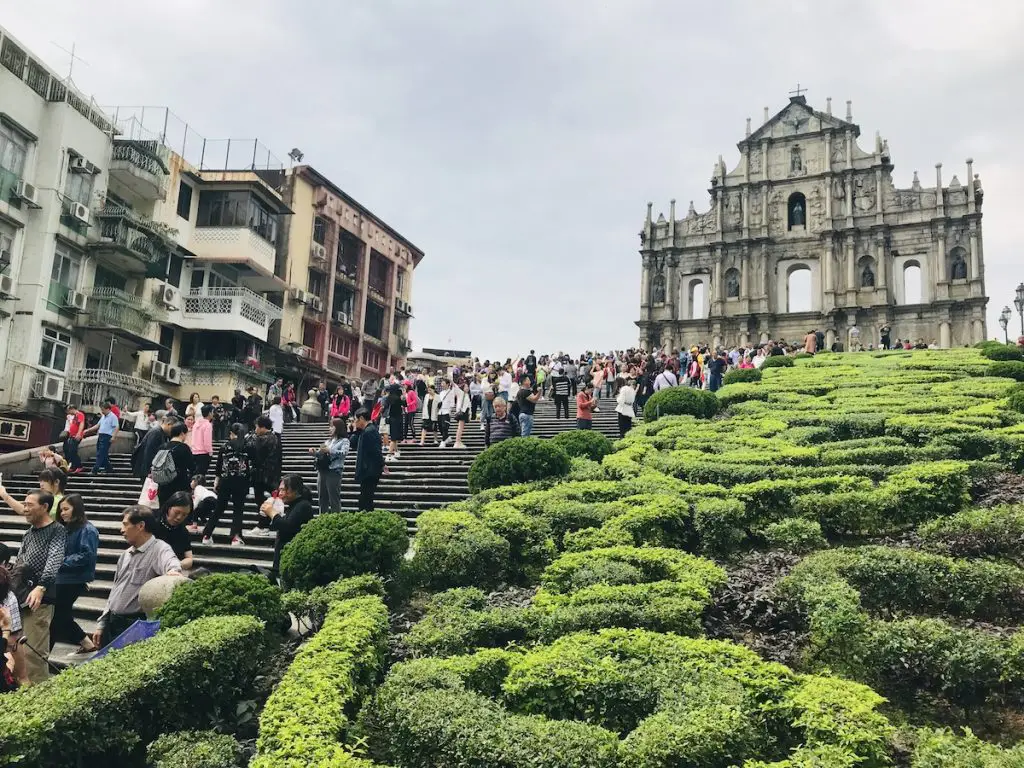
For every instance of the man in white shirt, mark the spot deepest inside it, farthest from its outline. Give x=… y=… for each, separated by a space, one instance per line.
x=505 y=384
x=276 y=414
x=665 y=379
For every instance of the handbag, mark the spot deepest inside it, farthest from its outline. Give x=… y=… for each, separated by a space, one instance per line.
x=148 y=497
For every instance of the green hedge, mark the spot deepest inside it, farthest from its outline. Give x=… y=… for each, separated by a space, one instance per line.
x=456 y=549
x=1002 y=352
x=224 y=594
x=1010 y=369
x=518 y=460
x=681 y=401
x=616 y=698
x=342 y=544
x=795 y=534
x=941 y=748
x=583 y=443
x=307 y=716
x=997 y=532
x=194 y=749
x=741 y=375
x=778 y=361
x=310 y=608
x=97 y=713
x=1015 y=400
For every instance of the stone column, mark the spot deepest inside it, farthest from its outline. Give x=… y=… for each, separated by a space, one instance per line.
x=716 y=286
x=671 y=283
x=944 y=337
x=880 y=260
x=878 y=195
x=851 y=279
x=940 y=255
x=849 y=200
x=978 y=330
x=975 y=260
x=830 y=338
x=744 y=275
x=829 y=259
x=645 y=283
x=938 y=191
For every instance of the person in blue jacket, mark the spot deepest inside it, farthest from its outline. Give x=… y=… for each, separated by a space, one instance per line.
x=369 y=460
x=78 y=569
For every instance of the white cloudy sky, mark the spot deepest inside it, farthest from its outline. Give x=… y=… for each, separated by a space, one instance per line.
x=518 y=142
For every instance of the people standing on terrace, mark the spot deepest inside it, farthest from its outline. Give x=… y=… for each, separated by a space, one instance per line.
x=232 y=484
x=106 y=428
x=369 y=460
x=329 y=460
x=585 y=406
x=202 y=439
x=76 y=571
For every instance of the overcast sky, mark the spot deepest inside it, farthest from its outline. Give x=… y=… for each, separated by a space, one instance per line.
x=517 y=143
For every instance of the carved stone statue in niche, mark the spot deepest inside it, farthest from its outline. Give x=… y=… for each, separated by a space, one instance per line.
x=755 y=160
x=658 y=289
x=839 y=152
x=755 y=209
x=735 y=205
x=816 y=206
x=796 y=162
x=864 y=193
x=732 y=285
x=776 y=208
x=799 y=217
x=867 y=277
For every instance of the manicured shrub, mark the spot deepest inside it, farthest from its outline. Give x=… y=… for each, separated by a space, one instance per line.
x=308 y=713
x=343 y=544
x=456 y=549
x=778 y=361
x=803 y=356
x=720 y=525
x=731 y=394
x=529 y=538
x=996 y=532
x=583 y=443
x=1010 y=369
x=310 y=608
x=681 y=401
x=98 y=713
x=518 y=460
x=1015 y=400
x=585 y=469
x=741 y=375
x=194 y=749
x=1001 y=352
x=224 y=594
x=795 y=534
x=941 y=748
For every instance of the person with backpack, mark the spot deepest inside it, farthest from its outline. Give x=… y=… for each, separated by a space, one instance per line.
x=232 y=484
x=150 y=446
x=174 y=465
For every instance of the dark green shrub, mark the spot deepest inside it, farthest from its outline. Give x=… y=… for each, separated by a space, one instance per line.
x=795 y=534
x=741 y=375
x=456 y=549
x=944 y=749
x=224 y=594
x=995 y=532
x=730 y=395
x=1001 y=352
x=342 y=544
x=194 y=749
x=529 y=538
x=310 y=608
x=720 y=524
x=583 y=443
x=1015 y=400
x=778 y=361
x=1010 y=369
x=309 y=710
x=98 y=713
x=681 y=401
x=519 y=460
x=803 y=356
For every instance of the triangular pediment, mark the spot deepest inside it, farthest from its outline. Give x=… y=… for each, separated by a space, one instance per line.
x=797 y=117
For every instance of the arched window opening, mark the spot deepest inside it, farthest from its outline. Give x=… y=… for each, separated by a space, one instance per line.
x=697 y=298
x=798 y=290
x=797 y=210
x=732 y=284
x=866 y=267
x=912 y=283
x=658 y=289
x=958 y=264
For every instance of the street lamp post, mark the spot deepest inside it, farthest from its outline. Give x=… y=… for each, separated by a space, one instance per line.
x=1018 y=302
x=1004 y=321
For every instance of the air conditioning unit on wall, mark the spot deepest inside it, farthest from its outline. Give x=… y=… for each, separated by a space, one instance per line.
x=76 y=301
x=167 y=296
x=318 y=252
x=173 y=375
x=49 y=387
x=159 y=370
x=316 y=303
x=80 y=212
x=27 y=192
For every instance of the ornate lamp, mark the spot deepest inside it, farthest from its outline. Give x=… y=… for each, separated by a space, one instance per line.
x=1018 y=302
x=1004 y=321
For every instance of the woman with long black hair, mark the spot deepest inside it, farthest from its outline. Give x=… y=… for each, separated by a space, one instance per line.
x=298 y=510
x=77 y=570
x=329 y=460
x=171 y=526
x=232 y=485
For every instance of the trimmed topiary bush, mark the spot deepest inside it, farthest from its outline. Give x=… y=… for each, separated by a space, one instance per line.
x=310 y=608
x=518 y=460
x=995 y=351
x=224 y=594
x=684 y=401
x=778 y=361
x=741 y=376
x=583 y=443
x=456 y=549
x=795 y=534
x=1010 y=369
x=343 y=544
x=1015 y=400
x=194 y=749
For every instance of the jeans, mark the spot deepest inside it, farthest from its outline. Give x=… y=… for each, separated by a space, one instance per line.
x=475 y=406
x=503 y=395
x=328 y=486
x=204 y=510
x=367 y=489
x=584 y=424
x=102 y=454
x=625 y=424
x=561 y=402
x=63 y=627
x=35 y=628
x=71 y=453
x=410 y=426
x=525 y=424
x=486 y=409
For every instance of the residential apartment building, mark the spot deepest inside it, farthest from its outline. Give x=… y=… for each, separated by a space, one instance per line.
x=140 y=260
x=351 y=307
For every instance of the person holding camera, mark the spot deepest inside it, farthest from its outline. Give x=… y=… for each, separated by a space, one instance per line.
x=329 y=460
x=527 y=398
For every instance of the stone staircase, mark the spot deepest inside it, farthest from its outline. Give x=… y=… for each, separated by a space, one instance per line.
x=423 y=478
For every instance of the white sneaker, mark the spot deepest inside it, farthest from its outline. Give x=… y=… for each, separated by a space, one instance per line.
x=460 y=445
x=237 y=542
x=257 y=531
x=443 y=444
x=208 y=541
x=389 y=459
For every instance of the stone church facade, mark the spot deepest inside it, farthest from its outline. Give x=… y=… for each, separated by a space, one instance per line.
x=806 y=198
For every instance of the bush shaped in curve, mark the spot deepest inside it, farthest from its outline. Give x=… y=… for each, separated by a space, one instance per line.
x=343 y=544
x=778 y=361
x=1010 y=369
x=1001 y=352
x=456 y=549
x=583 y=443
x=224 y=594
x=741 y=376
x=194 y=749
x=681 y=401
x=616 y=698
x=518 y=460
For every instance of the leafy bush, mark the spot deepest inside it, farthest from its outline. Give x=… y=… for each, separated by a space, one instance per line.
x=1010 y=369
x=795 y=534
x=308 y=713
x=585 y=469
x=98 y=713
x=994 y=532
x=224 y=594
x=518 y=460
x=343 y=544
x=720 y=524
x=194 y=749
x=1015 y=400
x=528 y=537
x=310 y=608
x=681 y=401
x=1001 y=352
x=456 y=549
x=941 y=748
x=741 y=375
x=584 y=443
x=778 y=361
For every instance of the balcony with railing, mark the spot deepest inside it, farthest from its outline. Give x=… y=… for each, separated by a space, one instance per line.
x=227 y=373
x=141 y=166
x=94 y=385
x=233 y=245
x=229 y=309
x=131 y=242
x=121 y=313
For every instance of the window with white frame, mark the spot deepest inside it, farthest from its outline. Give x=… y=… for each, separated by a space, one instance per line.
x=65 y=268
x=13 y=150
x=55 y=350
x=78 y=188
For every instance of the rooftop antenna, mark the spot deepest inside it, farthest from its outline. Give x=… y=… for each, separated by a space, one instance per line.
x=295 y=156
x=73 y=59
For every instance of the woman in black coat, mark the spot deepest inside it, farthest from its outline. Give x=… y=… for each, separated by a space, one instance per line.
x=298 y=510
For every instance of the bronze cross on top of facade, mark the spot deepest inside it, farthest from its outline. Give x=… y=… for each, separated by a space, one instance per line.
x=798 y=90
